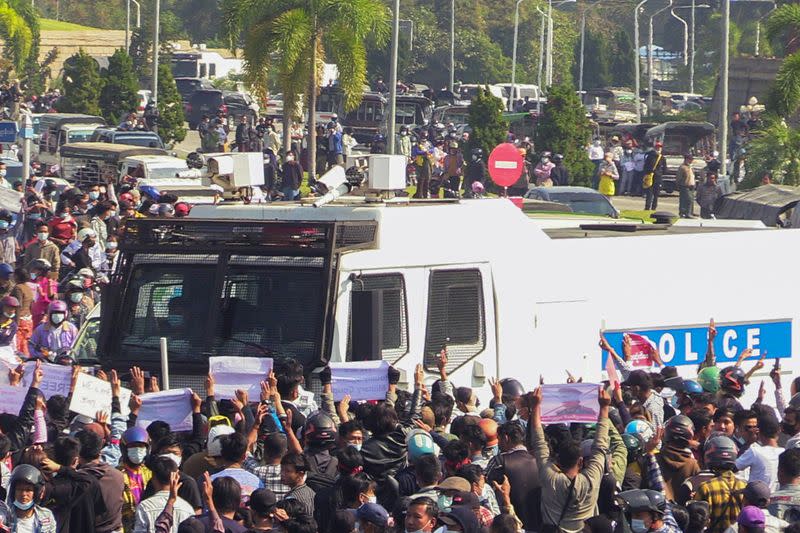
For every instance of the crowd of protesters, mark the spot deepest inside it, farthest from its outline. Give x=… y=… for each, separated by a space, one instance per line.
x=666 y=454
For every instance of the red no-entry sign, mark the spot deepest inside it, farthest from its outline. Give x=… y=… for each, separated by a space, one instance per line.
x=505 y=164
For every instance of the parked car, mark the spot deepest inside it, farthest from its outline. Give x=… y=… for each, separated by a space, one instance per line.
x=188 y=86
x=135 y=138
x=210 y=101
x=581 y=200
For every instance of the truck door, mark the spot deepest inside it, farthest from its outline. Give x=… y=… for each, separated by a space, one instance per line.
x=566 y=335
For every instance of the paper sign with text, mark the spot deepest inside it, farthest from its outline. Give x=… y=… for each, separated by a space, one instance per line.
x=12 y=398
x=362 y=380
x=231 y=373
x=570 y=402
x=8 y=361
x=56 y=379
x=93 y=395
x=641 y=351
x=172 y=406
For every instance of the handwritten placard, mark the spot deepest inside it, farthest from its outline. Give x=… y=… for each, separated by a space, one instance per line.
x=172 y=406
x=12 y=398
x=362 y=380
x=56 y=379
x=570 y=402
x=232 y=373
x=93 y=395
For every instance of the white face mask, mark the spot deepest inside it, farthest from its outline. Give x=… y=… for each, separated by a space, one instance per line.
x=57 y=318
x=3 y=173
x=175 y=458
x=137 y=455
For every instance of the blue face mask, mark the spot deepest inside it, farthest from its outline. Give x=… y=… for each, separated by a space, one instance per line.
x=34 y=216
x=638 y=526
x=94 y=195
x=3 y=224
x=23 y=506
x=175 y=320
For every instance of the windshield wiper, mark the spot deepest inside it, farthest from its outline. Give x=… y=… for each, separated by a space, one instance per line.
x=264 y=349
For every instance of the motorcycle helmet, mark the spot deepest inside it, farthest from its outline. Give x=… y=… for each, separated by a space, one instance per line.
x=692 y=387
x=319 y=429
x=9 y=301
x=419 y=443
x=642 y=500
x=41 y=264
x=56 y=306
x=477 y=154
x=29 y=474
x=641 y=428
x=135 y=435
x=453 y=145
x=708 y=378
x=679 y=429
x=720 y=452
x=512 y=389
x=195 y=160
x=732 y=379
x=558 y=157
x=634 y=444
x=477 y=187
x=6 y=270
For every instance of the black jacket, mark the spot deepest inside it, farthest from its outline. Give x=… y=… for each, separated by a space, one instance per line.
x=75 y=499
x=385 y=455
x=651 y=166
x=559 y=175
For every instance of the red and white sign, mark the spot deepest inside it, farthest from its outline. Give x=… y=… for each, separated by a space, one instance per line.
x=505 y=164
x=641 y=351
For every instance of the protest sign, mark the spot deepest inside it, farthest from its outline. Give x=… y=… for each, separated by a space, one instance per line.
x=172 y=406
x=12 y=398
x=8 y=361
x=570 y=402
x=641 y=351
x=611 y=371
x=56 y=379
x=232 y=373
x=362 y=380
x=93 y=395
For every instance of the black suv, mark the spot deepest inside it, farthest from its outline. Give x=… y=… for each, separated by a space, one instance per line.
x=188 y=86
x=209 y=102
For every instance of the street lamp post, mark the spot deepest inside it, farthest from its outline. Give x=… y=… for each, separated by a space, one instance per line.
x=128 y=21
x=541 y=60
x=549 y=70
x=723 y=112
x=688 y=39
x=637 y=67
x=514 y=58
x=393 y=78
x=452 y=45
x=155 y=51
x=650 y=58
x=758 y=29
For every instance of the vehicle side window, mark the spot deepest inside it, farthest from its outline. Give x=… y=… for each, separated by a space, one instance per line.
x=212 y=70
x=395 y=320
x=456 y=317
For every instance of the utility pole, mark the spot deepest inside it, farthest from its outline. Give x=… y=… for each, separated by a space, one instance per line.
x=452 y=45
x=514 y=58
x=723 y=112
x=549 y=69
x=650 y=59
x=127 y=26
x=583 y=41
x=638 y=57
x=155 y=52
x=393 y=78
x=691 y=45
x=541 y=61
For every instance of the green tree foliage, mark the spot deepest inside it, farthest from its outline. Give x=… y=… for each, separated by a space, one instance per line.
x=170 y=107
x=563 y=128
x=622 y=66
x=296 y=36
x=118 y=96
x=775 y=150
x=596 y=63
x=20 y=32
x=783 y=28
x=82 y=85
x=489 y=128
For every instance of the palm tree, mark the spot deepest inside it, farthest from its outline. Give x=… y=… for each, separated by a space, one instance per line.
x=295 y=37
x=784 y=26
x=19 y=29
